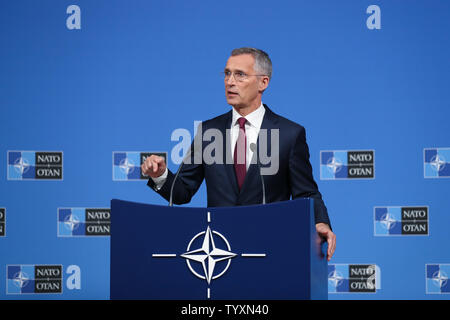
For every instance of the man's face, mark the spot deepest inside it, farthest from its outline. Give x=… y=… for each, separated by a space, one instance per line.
x=241 y=94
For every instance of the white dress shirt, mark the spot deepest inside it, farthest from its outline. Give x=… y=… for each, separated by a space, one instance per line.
x=252 y=127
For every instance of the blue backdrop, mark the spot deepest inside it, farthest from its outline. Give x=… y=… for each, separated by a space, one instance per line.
x=137 y=70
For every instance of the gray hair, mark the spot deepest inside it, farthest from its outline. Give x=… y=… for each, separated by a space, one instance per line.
x=263 y=64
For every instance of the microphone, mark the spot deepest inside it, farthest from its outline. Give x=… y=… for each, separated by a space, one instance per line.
x=176 y=176
x=253 y=149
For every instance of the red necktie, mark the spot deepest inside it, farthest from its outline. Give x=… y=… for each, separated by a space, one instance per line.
x=240 y=151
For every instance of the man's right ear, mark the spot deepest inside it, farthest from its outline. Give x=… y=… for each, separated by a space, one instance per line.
x=264 y=83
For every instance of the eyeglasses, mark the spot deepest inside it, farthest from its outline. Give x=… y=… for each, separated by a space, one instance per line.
x=238 y=75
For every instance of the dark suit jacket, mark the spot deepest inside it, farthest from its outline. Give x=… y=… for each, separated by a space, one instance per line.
x=293 y=179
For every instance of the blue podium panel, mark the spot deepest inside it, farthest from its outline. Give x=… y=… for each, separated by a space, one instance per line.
x=250 y=252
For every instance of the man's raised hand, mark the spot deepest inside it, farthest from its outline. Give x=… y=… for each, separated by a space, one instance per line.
x=154 y=166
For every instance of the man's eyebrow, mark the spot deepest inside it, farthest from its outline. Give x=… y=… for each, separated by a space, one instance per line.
x=237 y=70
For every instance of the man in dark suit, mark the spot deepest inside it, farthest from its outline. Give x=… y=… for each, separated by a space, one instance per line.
x=234 y=179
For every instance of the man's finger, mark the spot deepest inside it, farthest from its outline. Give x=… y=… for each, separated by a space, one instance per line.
x=331 y=247
x=147 y=166
x=334 y=244
x=155 y=165
x=330 y=244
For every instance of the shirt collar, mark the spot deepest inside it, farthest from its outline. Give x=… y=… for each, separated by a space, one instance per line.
x=254 y=118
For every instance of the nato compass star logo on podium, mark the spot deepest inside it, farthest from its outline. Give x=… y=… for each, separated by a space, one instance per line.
x=204 y=253
x=208 y=255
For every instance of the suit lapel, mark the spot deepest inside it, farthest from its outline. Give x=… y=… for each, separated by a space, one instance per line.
x=229 y=166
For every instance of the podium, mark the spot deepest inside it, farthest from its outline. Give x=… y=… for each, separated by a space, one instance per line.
x=258 y=252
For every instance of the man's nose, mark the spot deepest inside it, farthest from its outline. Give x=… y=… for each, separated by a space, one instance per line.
x=231 y=78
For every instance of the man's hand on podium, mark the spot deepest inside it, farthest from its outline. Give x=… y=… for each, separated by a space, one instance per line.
x=326 y=234
x=154 y=166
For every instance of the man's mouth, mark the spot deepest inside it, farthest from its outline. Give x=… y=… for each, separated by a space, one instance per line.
x=230 y=93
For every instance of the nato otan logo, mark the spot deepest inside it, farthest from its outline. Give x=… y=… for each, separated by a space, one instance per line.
x=32 y=279
x=437 y=278
x=401 y=221
x=2 y=222
x=345 y=164
x=353 y=278
x=35 y=165
x=436 y=163
x=82 y=222
x=127 y=164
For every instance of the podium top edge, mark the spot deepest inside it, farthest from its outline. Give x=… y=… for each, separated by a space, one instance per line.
x=185 y=207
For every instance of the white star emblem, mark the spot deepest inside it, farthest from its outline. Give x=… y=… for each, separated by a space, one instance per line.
x=437 y=162
x=126 y=166
x=335 y=278
x=440 y=278
x=71 y=222
x=388 y=221
x=334 y=165
x=21 y=165
x=21 y=279
x=208 y=255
